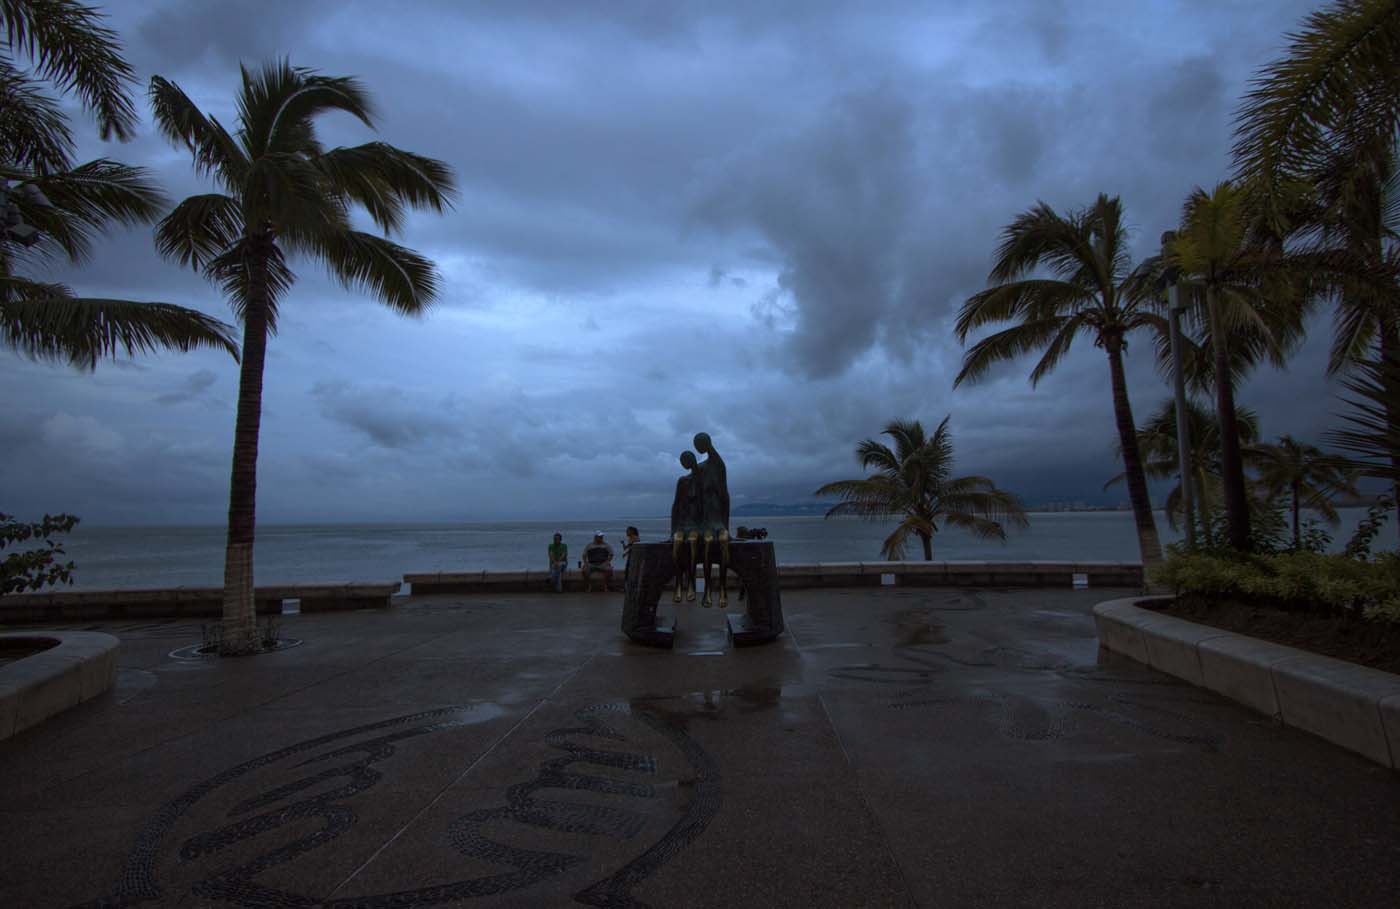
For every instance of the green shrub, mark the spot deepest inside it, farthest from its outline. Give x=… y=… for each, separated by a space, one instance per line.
x=1304 y=581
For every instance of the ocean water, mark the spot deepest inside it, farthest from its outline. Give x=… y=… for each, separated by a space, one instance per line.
x=114 y=557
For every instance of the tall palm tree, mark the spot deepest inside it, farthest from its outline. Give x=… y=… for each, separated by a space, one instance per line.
x=1335 y=94
x=1309 y=477
x=1240 y=291
x=913 y=482
x=1094 y=290
x=283 y=194
x=65 y=204
x=1157 y=442
x=1323 y=118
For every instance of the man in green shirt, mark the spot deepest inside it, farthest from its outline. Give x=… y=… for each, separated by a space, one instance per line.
x=558 y=562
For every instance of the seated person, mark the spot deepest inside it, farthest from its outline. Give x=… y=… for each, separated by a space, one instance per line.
x=558 y=562
x=597 y=559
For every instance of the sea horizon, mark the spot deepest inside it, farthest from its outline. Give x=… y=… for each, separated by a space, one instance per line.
x=129 y=556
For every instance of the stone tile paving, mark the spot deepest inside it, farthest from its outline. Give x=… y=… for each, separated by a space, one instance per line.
x=896 y=747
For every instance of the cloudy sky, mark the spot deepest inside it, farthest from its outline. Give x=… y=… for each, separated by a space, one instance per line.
x=751 y=218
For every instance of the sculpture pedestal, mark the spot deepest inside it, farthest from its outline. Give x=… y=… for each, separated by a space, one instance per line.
x=651 y=573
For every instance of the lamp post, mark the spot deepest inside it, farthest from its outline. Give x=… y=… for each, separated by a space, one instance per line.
x=1183 y=430
x=12 y=225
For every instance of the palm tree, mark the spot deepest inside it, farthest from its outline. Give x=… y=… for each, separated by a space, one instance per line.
x=282 y=193
x=1309 y=476
x=1095 y=290
x=1335 y=95
x=1157 y=442
x=1323 y=119
x=62 y=206
x=1372 y=437
x=1240 y=293
x=913 y=482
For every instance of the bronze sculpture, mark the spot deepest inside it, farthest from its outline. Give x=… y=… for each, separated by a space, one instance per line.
x=714 y=513
x=685 y=525
x=701 y=509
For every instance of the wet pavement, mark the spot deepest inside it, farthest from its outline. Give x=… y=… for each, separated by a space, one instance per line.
x=895 y=747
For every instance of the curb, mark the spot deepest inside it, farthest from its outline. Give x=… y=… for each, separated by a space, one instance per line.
x=1353 y=706
x=80 y=666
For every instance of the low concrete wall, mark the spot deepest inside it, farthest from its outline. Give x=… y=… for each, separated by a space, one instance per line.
x=80 y=666
x=1349 y=705
x=183 y=602
x=822 y=574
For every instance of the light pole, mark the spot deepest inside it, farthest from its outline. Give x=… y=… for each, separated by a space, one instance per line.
x=1183 y=430
x=12 y=226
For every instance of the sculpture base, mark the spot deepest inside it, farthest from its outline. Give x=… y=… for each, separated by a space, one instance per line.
x=744 y=632
x=652 y=572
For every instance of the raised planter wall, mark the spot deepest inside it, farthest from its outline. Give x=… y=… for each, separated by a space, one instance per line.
x=81 y=665
x=1349 y=705
x=821 y=574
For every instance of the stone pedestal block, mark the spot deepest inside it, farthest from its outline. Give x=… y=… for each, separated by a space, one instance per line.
x=651 y=573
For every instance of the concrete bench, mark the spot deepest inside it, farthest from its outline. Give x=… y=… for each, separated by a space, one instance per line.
x=184 y=602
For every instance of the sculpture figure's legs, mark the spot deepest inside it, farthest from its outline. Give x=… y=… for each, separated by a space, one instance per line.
x=708 y=537
x=676 y=541
x=690 y=568
x=723 y=569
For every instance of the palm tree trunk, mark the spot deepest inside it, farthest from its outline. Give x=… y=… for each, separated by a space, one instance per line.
x=927 y=540
x=1231 y=461
x=240 y=620
x=1297 y=537
x=1148 y=544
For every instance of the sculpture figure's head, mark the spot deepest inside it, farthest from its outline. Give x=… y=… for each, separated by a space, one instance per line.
x=688 y=460
x=702 y=442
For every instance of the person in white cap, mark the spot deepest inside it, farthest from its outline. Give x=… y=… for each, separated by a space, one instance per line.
x=597 y=559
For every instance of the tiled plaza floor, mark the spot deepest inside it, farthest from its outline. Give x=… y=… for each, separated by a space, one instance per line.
x=895 y=747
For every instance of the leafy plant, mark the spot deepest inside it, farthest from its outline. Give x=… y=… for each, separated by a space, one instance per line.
x=34 y=568
x=1359 y=546
x=1301 y=581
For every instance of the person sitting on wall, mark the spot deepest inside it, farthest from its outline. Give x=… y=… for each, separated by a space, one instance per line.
x=597 y=559
x=558 y=562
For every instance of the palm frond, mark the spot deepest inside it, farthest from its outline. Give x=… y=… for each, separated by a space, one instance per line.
x=215 y=152
x=383 y=179
x=1374 y=438
x=1008 y=344
x=871 y=453
x=1336 y=84
x=398 y=277
x=199 y=229
x=45 y=322
x=1030 y=299
x=34 y=133
x=87 y=199
x=250 y=266
x=278 y=102
x=72 y=48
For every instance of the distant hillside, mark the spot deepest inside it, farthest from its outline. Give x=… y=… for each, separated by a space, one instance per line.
x=768 y=509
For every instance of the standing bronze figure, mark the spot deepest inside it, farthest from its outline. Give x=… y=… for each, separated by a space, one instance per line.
x=714 y=514
x=686 y=525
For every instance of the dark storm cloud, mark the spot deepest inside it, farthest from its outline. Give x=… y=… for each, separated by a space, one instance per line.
x=382 y=414
x=752 y=218
x=195 y=387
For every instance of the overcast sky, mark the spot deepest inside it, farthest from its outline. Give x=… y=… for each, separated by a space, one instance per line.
x=751 y=218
